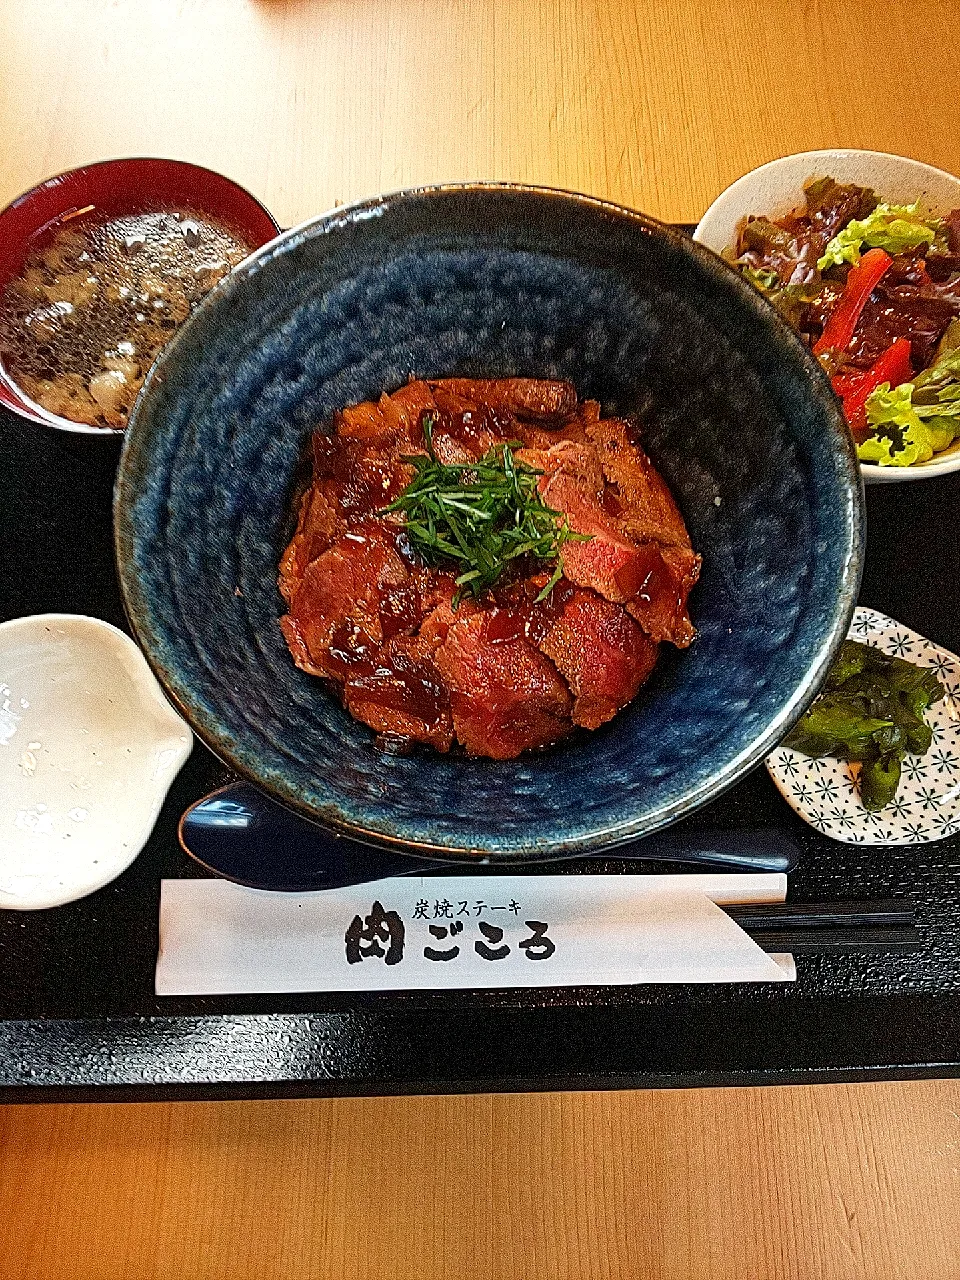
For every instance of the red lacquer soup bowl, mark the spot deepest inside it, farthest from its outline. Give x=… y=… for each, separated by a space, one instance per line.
x=110 y=189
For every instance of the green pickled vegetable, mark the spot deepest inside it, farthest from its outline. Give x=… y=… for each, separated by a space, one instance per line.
x=849 y=662
x=879 y=779
x=870 y=713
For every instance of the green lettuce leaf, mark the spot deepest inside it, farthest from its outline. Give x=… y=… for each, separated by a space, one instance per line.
x=765 y=281
x=791 y=300
x=893 y=227
x=949 y=344
x=879 y=450
x=938 y=385
x=904 y=432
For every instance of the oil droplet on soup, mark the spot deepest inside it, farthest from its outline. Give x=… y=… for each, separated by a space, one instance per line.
x=81 y=324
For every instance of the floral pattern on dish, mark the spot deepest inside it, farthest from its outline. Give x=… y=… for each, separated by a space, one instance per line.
x=927 y=804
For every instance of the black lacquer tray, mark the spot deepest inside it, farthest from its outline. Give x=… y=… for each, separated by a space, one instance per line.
x=79 y=1020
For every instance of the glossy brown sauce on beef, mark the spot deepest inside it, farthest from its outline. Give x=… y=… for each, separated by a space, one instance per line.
x=502 y=673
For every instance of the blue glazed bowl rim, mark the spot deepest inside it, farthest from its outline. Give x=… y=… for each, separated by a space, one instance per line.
x=216 y=735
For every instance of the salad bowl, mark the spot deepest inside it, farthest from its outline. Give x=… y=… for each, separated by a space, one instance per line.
x=777 y=188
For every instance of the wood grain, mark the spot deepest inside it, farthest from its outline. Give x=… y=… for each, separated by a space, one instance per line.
x=829 y=1182
x=658 y=105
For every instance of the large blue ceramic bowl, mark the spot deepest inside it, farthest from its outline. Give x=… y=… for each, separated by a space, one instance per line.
x=490 y=281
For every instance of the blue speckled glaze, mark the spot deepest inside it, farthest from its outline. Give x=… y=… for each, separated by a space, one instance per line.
x=491 y=281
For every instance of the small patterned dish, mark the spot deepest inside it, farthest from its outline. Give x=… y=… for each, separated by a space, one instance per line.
x=927 y=805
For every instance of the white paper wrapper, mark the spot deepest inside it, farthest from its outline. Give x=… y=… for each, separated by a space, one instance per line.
x=436 y=932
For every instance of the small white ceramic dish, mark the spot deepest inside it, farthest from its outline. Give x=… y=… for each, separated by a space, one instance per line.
x=776 y=188
x=88 y=749
x=927 y=805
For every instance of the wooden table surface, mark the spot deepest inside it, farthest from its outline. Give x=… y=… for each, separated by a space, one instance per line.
x=658 y=104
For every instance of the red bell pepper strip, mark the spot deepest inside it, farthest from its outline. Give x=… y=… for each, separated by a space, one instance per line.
x=861 y=282
x=854 y=388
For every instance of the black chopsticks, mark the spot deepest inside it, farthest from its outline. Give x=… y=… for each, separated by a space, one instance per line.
x=828 y=926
